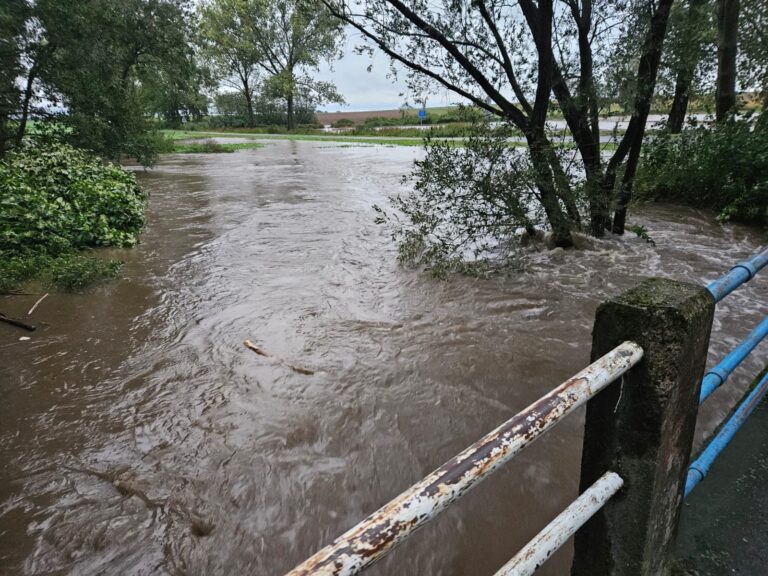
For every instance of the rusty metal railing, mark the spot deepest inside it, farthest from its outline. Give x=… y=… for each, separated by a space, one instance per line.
x=378 y=534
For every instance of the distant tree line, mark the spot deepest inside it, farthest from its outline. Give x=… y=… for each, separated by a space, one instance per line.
x=232 y=111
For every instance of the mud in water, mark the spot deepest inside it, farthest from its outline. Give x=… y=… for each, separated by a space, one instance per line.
x=138 y=435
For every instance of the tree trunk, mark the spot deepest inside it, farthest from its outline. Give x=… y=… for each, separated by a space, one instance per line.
x=599 y=206
x=627 y=183
x=646 y=84
x=680 y=102
x=249 y=104
x=727 y=47
x=289 y=103
x=693 y=38
x=25 y=105
x=762 y=120
x=563 y=186
x=5 y=136
x=558 y=221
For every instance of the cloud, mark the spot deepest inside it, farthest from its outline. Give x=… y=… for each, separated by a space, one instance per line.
x=372 y=90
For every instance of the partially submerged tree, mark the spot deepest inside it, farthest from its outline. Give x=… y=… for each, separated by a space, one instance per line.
x=509 y=59
x=465 y=208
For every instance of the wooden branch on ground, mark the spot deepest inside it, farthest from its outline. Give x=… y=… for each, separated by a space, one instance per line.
x=16 y=322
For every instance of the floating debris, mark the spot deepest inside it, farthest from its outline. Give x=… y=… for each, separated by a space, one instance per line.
x=251 y=346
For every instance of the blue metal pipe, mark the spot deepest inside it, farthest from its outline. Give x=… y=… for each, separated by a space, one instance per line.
x=700 y=467
x=742 y=272
x=717 y=376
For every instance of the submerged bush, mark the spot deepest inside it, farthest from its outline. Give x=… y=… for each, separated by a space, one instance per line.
x=208 y=146
x=468 y=205
x=723 y=167
x=73 y=272
x=55 y=200
x=70 y=271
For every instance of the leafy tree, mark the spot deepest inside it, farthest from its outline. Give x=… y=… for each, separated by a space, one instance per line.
x=175 y=90
x=294 y=36
x=285 y=40
x=94 y=60
x=509 y=58
x=227 y=36
x=174 y=82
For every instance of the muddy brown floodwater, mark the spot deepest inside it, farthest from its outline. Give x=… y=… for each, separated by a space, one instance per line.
x=139 y=436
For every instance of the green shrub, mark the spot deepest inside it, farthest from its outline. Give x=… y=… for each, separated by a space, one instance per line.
x=723 y=167
x=467 y=207
x=72 y=272
x=14 y=270
x=166 y=146
x=208 y=146
x=343 y=123
x=56 y=200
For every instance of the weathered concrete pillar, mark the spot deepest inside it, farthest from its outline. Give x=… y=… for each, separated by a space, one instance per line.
x=642 y=427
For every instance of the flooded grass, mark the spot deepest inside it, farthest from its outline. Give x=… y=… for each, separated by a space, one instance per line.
x=212 y=147
x=177 y=135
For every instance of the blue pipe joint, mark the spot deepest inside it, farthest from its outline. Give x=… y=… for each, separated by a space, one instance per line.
x=749 y=267
x=718 y=375
x=694 y=477
x=711 y=382
x=742 y=272
x=720 y=372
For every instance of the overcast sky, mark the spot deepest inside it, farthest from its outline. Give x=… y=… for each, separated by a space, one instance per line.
x=372 y=90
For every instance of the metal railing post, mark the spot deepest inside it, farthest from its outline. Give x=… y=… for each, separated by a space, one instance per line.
x=642 y=427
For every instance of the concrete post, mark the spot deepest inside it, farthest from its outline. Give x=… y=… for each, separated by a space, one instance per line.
x=642 y=427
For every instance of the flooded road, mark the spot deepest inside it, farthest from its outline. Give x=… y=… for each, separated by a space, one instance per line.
x=139 y=436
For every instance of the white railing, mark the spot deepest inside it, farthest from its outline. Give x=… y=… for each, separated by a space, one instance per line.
x=378 y=534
